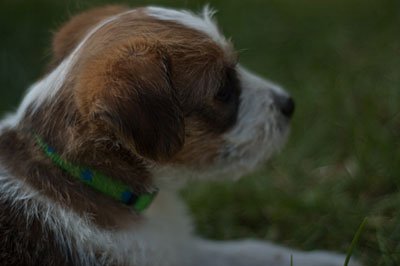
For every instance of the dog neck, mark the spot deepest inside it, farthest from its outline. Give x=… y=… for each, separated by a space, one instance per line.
x=100 y=182
x=25 y=159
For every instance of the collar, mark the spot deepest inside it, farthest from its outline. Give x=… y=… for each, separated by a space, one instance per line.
x=100 y=182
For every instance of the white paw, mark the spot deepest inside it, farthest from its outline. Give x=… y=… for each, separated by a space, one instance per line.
x=258 y=253
x=321 y=258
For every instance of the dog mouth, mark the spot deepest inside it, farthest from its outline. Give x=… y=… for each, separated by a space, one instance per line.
x=283 y=107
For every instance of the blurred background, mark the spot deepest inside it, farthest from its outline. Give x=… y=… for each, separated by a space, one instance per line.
x=339 y=59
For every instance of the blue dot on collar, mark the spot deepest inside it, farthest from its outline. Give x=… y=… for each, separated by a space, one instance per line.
x=87 y=175
x=126 y=195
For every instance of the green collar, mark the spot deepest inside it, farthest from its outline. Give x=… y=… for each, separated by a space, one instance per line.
x=100 y=182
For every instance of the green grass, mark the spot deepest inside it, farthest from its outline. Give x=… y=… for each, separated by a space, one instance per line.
x=354 y=242
x=341 y=62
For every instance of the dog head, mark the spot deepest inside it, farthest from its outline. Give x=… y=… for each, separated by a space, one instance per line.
x=167 y=86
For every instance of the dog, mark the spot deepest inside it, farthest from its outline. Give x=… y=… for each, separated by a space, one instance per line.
x=136 y=102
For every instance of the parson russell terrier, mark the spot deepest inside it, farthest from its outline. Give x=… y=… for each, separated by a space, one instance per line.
x=135 y=102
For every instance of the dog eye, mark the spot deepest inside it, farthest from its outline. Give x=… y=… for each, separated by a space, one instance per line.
x=224 y=94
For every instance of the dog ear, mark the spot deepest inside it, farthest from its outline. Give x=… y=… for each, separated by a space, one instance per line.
x=128 y=89
x=74 y=31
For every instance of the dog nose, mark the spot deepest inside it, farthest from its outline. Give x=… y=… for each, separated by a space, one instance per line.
x=286 y=105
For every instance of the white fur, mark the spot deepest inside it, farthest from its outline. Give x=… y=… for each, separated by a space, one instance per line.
x=163 y=237
x=203 y=23
x=261 y=129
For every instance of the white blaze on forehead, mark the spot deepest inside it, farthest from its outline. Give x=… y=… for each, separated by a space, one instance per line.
x=203 y=23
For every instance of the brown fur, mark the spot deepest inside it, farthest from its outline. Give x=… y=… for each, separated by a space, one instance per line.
x=128 y=88
x=73 y=32
x=194 y=68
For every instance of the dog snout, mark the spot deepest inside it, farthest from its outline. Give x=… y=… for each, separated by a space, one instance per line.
x=285 y=104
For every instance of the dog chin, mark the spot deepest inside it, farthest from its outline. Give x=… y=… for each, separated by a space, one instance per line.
x=233 y=162
x=258 y=158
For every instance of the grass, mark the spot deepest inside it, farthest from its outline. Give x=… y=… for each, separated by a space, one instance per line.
x=340 y=60
x=354 y=242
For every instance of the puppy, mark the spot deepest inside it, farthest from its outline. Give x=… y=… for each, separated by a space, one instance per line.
x=135 y=102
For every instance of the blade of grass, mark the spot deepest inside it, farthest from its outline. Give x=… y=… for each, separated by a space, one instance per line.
x=354 y=242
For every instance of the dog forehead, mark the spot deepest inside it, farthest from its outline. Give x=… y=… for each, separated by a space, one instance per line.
x=203 y=23
x=177 y=29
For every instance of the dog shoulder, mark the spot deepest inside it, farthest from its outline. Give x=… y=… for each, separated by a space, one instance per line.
x=24 y=241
